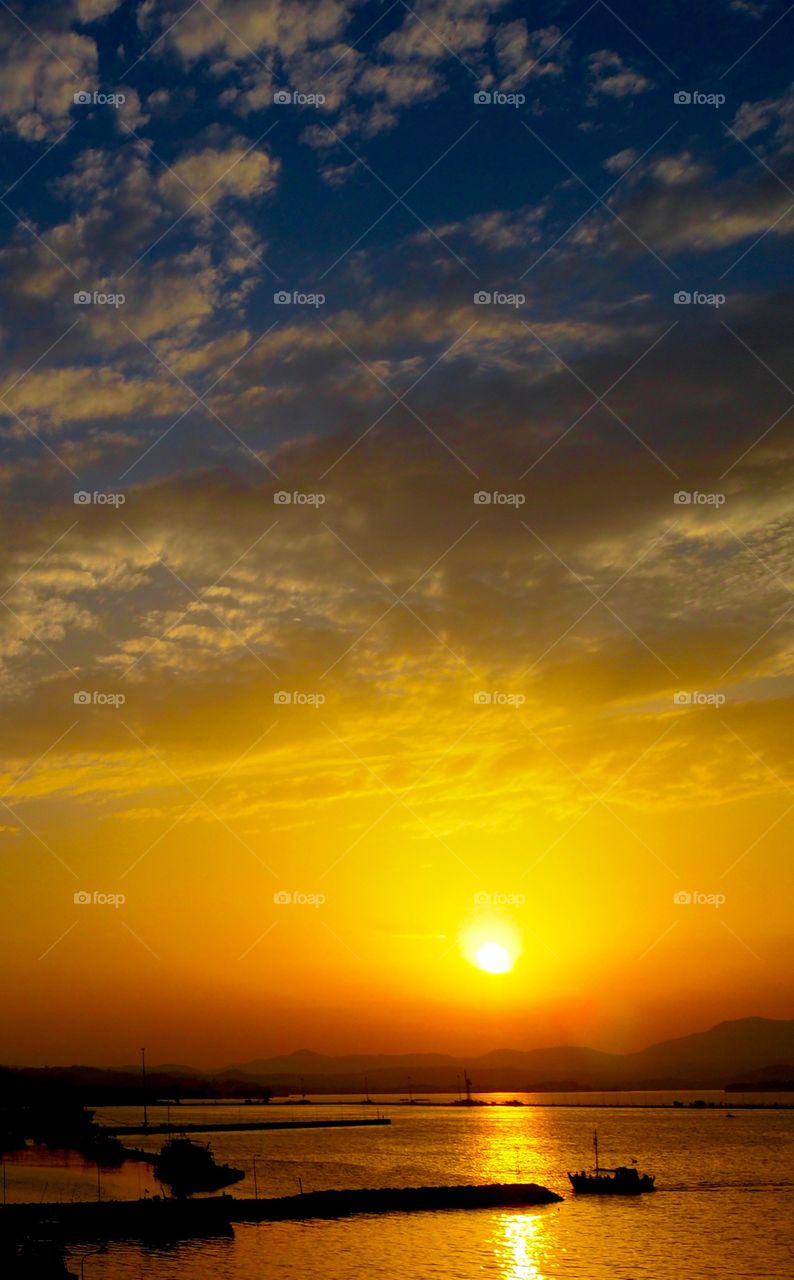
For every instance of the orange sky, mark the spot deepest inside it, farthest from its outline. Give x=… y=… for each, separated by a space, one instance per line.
x=484 y=678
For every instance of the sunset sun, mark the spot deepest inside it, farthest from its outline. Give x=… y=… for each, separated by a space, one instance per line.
x=492 y=957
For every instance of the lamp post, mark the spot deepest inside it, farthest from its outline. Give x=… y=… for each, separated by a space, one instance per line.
x=143 y=1081
x=90 y=1254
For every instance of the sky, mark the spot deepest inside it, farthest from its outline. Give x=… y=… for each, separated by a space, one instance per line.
x=396 y=457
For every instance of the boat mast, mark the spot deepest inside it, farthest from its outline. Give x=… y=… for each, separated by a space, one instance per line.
x=595 y=1148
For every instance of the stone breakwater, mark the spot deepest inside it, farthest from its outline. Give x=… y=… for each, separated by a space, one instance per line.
x=136 y=1219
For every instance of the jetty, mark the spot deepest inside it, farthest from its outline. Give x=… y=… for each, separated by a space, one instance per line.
x=241 y=1126
x=154 y=1217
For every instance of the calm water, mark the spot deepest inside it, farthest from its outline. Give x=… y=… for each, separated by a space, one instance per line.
x=724 y=1209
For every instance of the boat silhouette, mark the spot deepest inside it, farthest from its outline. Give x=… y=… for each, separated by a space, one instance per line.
x=625 y=1180
x=187 y=1166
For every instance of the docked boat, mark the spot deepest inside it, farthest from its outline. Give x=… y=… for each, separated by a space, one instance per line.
x=625 y=1180
x=35 y=1259
x=187 y=1167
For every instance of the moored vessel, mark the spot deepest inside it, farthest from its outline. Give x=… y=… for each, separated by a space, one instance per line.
x=187 y=1166
x=624 y=1180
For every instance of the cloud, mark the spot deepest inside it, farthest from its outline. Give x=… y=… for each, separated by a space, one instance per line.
x=611 y=77
x=438 y=28
x=231 y=169
x=750 y=8
x=621 y=160
x=521 y=53
x=758 y=117
x=499 y=230
x=93 y=10
x=203 y=596
x=676 y=203
x=41 y=76
x=243 y=30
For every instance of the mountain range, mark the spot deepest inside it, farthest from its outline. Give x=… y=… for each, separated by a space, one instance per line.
x=722 y=1055
x=758 y=1052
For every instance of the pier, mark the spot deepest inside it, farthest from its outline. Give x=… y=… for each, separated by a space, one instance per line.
x=241 y=1126
x=214 y=1215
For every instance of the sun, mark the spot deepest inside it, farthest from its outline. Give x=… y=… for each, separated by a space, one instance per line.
x=493 y=958
x=490 y=941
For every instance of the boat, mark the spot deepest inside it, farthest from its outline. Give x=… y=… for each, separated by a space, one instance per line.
x=625 y=1180
x=35 y=1259
x=187 y=1166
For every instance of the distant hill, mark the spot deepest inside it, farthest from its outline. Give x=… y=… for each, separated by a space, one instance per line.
x=749 y=1051
x=778 y=1078
x=108 y=1086
x=713 y=1058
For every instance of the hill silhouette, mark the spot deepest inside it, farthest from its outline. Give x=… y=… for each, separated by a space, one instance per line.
x=747 y=1049
x=706 y=1058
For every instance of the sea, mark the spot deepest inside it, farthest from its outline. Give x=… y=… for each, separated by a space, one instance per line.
x=723 y=1209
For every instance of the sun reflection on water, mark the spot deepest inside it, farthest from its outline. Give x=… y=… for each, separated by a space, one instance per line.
x=520 y=1246
x=511 y=1145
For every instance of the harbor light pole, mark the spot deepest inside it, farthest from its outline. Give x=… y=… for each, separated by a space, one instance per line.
x=92 y=1253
